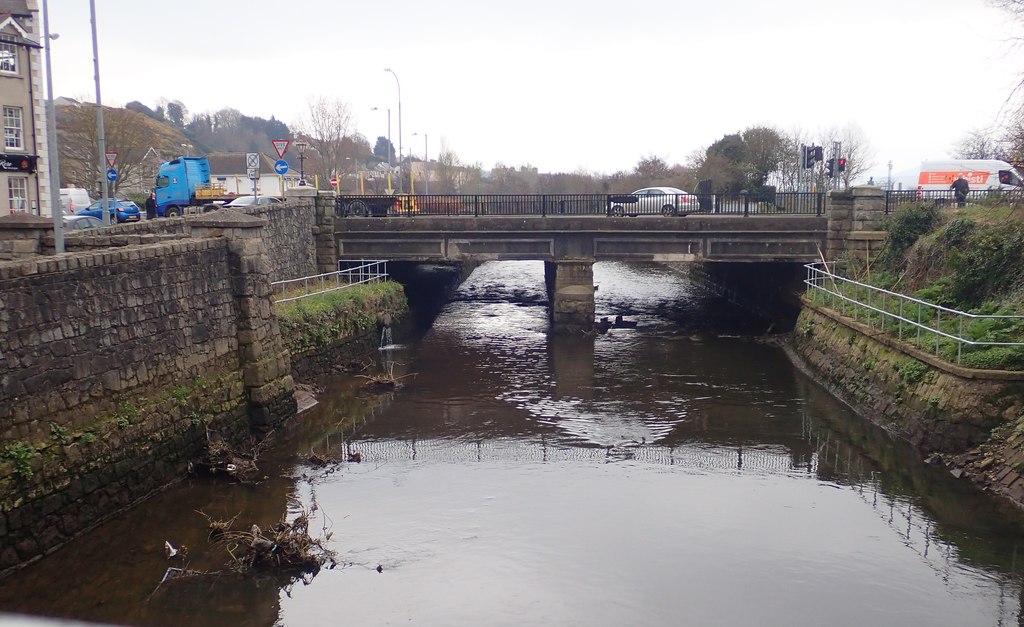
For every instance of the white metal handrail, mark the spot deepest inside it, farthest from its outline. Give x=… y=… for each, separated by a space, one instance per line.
x=820 y=277
x=349 y=273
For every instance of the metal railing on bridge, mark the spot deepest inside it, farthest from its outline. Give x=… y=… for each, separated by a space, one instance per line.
x=349 y=273
x=896 y=198
x=479 y=205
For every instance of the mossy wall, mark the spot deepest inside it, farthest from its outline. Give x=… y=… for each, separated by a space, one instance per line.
x=945 y=410
x=971 y=418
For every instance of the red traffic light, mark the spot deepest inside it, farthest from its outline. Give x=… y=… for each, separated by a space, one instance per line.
x=842 y=165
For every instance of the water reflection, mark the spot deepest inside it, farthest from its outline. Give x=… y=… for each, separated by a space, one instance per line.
x=678 y=473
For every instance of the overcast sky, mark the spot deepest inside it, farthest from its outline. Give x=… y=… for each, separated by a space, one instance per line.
x=564 y=85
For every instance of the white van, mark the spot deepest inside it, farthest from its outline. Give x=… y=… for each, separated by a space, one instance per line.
x=73 y=199
x=981 y=174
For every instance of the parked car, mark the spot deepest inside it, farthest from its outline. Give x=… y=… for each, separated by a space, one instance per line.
x=666 y=201
x=126 y=210
x=248 y=201
x=80 y=223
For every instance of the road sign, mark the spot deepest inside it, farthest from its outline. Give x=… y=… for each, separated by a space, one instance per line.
x=334 y=182
x=252 y=160
x=253 y=173
x=281 y=166
x=111 y=175
x=111 y=158
x=281 y=146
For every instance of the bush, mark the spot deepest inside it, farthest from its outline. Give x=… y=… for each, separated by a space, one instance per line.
x=905 y=227
x=990 y=262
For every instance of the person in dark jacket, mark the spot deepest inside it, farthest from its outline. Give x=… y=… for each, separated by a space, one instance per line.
x=960 y=188
x=151 y=206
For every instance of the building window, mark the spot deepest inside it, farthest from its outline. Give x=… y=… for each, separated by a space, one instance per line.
x=12 y=128
x=17 y=192
x=8 y=58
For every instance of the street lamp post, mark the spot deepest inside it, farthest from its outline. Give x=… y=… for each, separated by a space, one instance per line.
x=301 y=146
x=390 y=145
x=426 y=165
x=399 y=84
x=99 y=117
x=56 y=211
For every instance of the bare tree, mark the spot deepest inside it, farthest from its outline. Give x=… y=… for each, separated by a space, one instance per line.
x=857 y=151
x=326 y=125
x=129 y=133
x=978 y=144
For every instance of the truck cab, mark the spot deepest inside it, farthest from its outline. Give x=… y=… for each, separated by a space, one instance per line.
x=176 y=182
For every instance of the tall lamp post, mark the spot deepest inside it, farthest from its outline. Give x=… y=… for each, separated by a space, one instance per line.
x=387 y=69
x=101 y=133
x=301 y=146
x=56 y=211
x=390 y=145
x=426 y=165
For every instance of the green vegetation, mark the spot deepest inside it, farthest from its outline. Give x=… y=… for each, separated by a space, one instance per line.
x=912 y=371
x=967 y=259
x=20 y=455
x=324 y=319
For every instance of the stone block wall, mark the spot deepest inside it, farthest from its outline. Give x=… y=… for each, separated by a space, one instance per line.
x=116 y=361
x=938 y=407
x=855 y=223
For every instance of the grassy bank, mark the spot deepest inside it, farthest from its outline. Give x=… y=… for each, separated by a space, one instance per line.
x=323 y=321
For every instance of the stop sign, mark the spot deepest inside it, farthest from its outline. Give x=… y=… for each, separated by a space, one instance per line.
x=334 y=182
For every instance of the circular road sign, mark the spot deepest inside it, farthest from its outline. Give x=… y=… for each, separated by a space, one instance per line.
x=111 y=174
x=281 y=166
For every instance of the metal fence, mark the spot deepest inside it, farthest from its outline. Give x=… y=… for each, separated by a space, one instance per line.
x=894 y=199
x=349 y=273
x=929 y=326
x=479 y=205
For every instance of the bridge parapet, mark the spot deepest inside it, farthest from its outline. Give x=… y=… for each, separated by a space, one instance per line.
x=855 y=223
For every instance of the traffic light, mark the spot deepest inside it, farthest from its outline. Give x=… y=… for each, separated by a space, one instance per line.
x=842 y=165
x=808 y=156
x=830 y=168
x=819 y=153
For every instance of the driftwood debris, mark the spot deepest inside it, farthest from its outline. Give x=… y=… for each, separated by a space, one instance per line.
x=285 y=547
x=219 y=458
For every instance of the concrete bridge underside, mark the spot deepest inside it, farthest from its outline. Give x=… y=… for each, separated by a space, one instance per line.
x=569 y=246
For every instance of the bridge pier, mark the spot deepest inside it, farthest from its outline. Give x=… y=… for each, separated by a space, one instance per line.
x=570 y=288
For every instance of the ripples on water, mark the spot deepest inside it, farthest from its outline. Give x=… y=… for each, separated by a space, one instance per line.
x=678 y=473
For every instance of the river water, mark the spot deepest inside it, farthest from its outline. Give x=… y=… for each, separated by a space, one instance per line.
x=681 y=472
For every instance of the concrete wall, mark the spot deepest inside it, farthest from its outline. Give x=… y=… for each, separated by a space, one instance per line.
x=118 y=358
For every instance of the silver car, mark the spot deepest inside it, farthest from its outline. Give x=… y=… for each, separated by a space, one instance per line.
x=666 y=201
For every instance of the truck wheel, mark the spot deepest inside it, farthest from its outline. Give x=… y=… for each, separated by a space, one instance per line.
x=359 y=208
x=172 y=212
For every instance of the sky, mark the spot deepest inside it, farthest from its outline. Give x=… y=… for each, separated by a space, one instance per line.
x=564 y=85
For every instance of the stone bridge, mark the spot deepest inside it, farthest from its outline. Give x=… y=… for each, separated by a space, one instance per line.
x=570 y=244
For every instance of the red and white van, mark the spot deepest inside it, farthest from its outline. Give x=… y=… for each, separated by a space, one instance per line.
x=981 y=174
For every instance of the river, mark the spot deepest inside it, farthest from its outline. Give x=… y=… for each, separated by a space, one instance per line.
x=681 y=472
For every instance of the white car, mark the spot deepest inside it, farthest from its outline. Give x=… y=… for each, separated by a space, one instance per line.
x=248 y=201
x=666 y=201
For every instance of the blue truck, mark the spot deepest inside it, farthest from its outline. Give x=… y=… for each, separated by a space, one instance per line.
x=184 y=183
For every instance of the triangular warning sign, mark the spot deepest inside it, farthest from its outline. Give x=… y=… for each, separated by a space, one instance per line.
x=281 y=146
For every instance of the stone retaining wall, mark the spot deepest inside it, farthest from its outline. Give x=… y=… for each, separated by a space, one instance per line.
x=118 y=360
x=957 y=414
